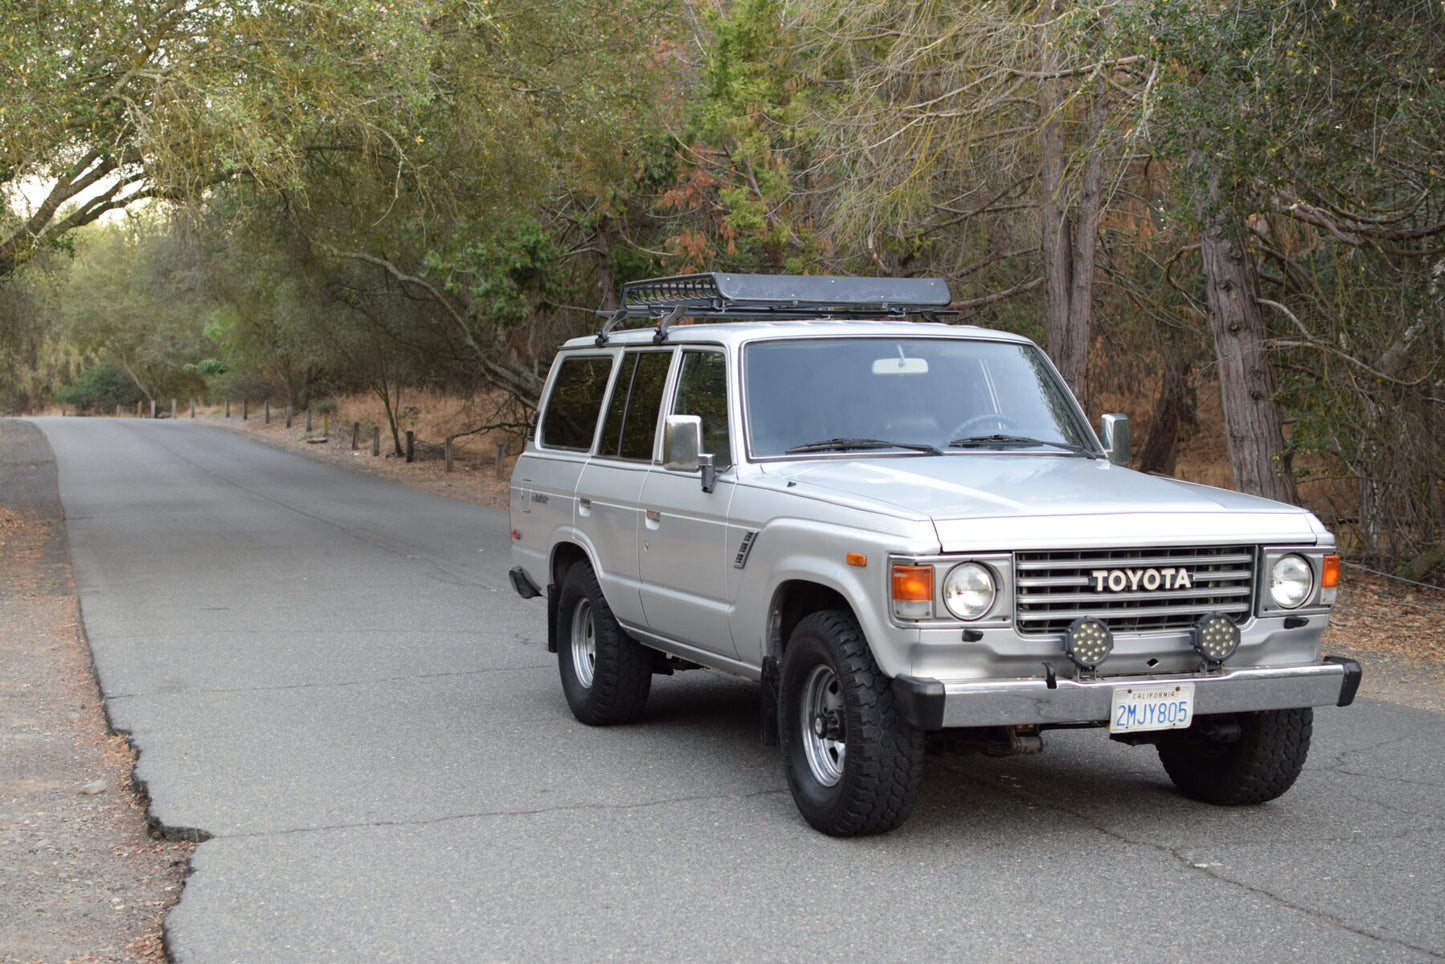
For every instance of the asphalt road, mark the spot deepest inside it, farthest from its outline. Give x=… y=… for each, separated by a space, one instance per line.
x=329 y=678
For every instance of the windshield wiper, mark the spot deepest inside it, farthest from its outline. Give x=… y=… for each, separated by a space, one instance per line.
x=849 y=444
x=985 y=441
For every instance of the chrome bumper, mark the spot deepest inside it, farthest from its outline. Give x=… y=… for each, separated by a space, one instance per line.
x=937 y=704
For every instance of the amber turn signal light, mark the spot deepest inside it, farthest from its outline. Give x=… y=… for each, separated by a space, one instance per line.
x=1330 y=578
x=913 y=583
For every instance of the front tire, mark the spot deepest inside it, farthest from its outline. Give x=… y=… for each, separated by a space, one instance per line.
x=606 y=674
x=853 y=764
x=1259 y=766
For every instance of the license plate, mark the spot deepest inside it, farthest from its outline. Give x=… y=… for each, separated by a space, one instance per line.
x=1161 y=707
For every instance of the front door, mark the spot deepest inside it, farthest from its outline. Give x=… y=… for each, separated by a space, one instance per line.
x=683 y=552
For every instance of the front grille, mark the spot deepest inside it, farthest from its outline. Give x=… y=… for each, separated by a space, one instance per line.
x=1132 y=590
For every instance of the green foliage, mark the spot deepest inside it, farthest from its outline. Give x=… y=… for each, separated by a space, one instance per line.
x=1339 y=104
x=505 y=276
x=741 y=181
x=1321 y=127
x=129 y=296
x=100 y=389
x=168 y=100
x=208 y=367
x=34 y=357
x=377 y=196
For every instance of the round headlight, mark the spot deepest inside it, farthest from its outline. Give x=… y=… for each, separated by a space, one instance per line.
x=1291 y=581
x=968 y=590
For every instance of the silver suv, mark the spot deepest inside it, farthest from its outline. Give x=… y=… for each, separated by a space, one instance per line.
x=904 y=527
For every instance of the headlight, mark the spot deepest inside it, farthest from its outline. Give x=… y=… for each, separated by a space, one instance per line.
x=969 y=590
x=1291 y=580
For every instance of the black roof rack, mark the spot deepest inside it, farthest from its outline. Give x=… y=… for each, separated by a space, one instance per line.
x=775 y=298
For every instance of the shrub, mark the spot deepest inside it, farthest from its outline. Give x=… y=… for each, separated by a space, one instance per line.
x=101 y=388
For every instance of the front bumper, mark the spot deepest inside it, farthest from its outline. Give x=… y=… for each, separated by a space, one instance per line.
x=936 y=704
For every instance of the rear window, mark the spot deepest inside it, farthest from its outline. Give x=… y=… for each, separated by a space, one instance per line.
x=570 y=418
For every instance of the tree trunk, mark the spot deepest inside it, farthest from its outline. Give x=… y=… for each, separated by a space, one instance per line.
x=1173 y=409
x=1247 y=382
x=606 y=283
x=1058 y=233
x=1069 y=230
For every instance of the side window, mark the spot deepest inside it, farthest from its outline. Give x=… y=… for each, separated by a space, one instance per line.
x=631 y=422
x=702 y=389
x=571 y=412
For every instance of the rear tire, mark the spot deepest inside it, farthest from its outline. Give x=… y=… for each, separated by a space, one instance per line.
x=1259 y=766
x=853 y=764
x=606 y=674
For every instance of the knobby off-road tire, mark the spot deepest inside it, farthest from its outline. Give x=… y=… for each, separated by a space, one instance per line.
x=1261 y=765
x=853 y=764
x=606 y=674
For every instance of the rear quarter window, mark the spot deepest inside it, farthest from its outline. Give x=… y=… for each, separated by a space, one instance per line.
x=569 y=419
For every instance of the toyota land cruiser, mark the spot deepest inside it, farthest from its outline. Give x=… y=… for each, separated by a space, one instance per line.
x=902 y=526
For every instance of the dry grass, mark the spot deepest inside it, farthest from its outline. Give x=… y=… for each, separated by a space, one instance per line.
x=432 y=415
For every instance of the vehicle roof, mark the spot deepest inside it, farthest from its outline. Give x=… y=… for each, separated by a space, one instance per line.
x=734 y=333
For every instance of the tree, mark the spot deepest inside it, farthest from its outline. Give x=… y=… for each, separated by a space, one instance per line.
x=124 y=300
x=976 y=139
x=105 y=105
x=1304 y=145
x=536 y=166
x=745 y=194
x=34 y=355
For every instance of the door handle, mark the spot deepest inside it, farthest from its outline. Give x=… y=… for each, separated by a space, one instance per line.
x=654 y=516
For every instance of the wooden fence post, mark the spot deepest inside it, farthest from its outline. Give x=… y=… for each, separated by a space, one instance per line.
x=376 y=440
x=173 y=408
x=289 y=415
x=325 y=425
x=193 y=407
x=308 y=418
x=153 y=408
x=245 y=409
x=268 y=411
x=355 y=431
x=228 y=408
x=449 y=453
x=410 y=445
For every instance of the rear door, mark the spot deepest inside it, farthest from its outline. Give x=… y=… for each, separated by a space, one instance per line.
x=611 y=483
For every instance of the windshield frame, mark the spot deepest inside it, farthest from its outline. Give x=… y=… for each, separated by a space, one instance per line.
x=1073 y=415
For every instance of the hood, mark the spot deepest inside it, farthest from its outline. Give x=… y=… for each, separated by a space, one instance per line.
x=1014 y=501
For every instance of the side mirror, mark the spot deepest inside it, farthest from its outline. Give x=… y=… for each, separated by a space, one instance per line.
x=1114 y=433
x=682 y=448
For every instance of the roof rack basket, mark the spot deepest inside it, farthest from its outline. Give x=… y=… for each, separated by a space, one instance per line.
x=764 y=297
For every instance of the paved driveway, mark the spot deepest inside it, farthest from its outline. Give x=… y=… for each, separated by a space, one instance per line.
x=329 y=678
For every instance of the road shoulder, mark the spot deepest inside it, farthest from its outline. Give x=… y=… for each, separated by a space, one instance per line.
x=81 y=877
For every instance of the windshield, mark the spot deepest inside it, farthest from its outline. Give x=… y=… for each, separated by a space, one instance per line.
x=906 y=396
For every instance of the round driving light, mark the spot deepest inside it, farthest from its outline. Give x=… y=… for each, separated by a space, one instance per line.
x=968 y=590
x=1216 y=637
x=1290 y=581
x=1088 y=642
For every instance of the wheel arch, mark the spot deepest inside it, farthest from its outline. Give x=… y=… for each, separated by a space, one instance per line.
x=794 y=600
x=564 y=556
